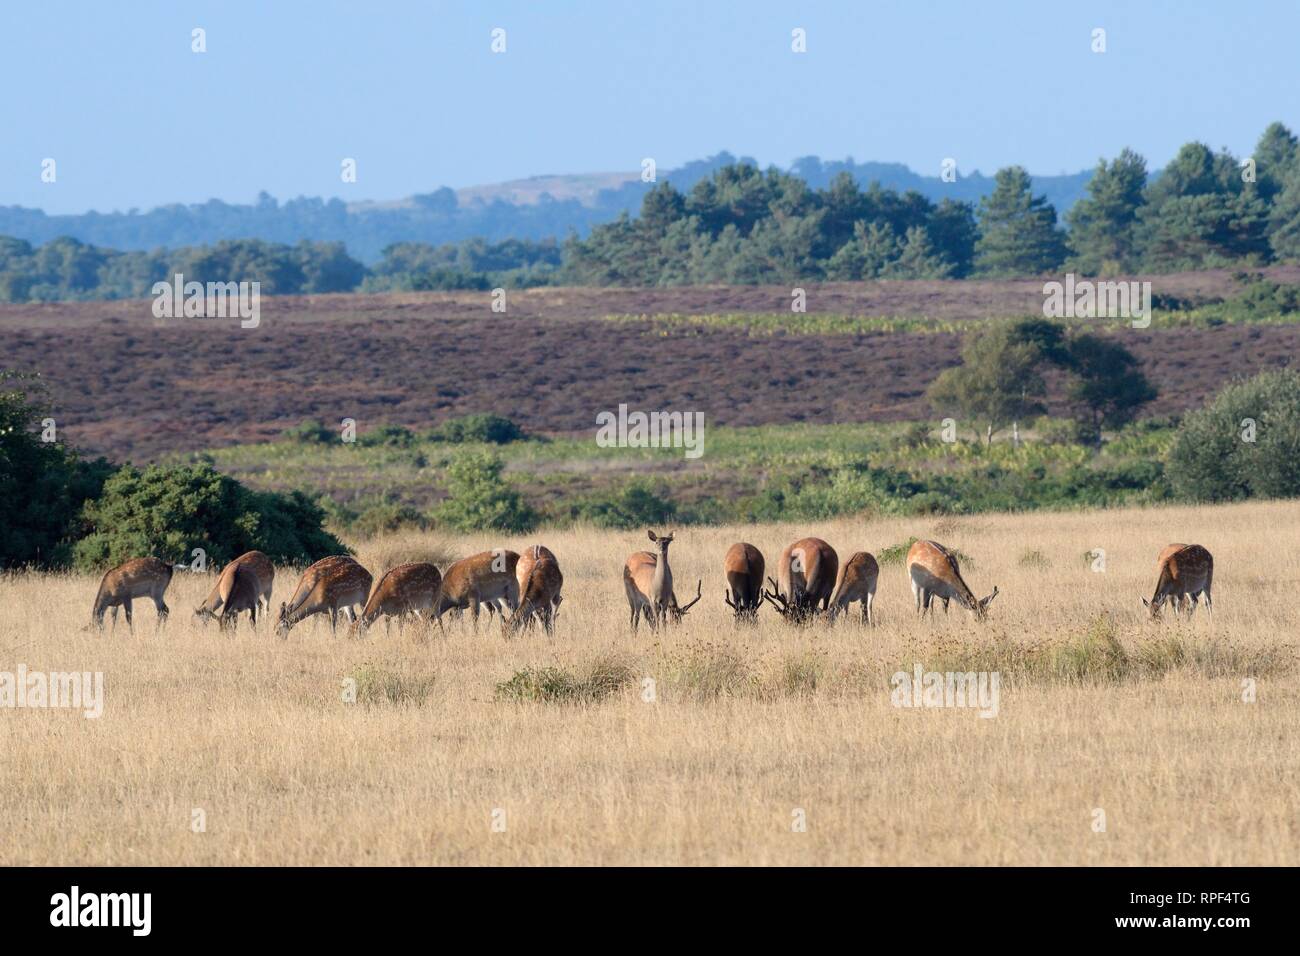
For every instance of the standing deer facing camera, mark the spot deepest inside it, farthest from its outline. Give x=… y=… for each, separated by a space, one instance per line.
x=857 y=583
x=1182 y=571
x=805 y=578
x=136 y=578
x=743 y=565
x=648 y=584
x=934 y=573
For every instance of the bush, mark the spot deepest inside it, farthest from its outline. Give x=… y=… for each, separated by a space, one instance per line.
x=480 y=500
x=311 y=432
x=43 y=484
x=169 y=511
x=637 y=505
x=386 y=519
x=491 y=429
x=393 y=436
x=1212 y=458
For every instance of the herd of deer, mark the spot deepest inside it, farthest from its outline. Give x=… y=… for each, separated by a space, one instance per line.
x=810 y=582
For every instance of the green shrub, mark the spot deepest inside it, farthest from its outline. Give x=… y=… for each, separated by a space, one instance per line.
x=377 y=685
x=606 y=676
x=638 y=504
x=169 y=511
x=481 y=500
x=491 y=429
x=311 y=432
x=1212 y=458
x=387 y=518
x=43 y=485
x=393 y=436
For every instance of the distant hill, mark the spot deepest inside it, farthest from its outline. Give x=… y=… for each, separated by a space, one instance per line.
x=534 y=208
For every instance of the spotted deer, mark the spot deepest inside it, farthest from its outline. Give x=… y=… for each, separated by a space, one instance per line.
x=540 y=581
x=935 y=573
x=857 y=583
x=330 y=586
x=805 y=579
x=261 y=567
x=648 y=584
x=743 y=566
x=403 y=591
x=483 y=578
x=1182 y=571
x=136 y=578
x=240 y=589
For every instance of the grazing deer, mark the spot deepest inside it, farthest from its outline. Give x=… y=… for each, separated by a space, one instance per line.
x=331 y=585
x=805 y=578
x=540 y=581
x=483 y=578
x=240 y=589
x=1182 y=571
x=404 y=590
x=136 y=578
x=857 y=583
x=643 y=581
x=934 y=572
x=261 y=567
x=743 y=565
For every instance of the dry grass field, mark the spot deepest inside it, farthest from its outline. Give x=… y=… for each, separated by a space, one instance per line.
x=1100 y=709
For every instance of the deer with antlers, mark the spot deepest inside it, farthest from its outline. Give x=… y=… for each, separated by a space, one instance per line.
x=333 y=585
x=935 y=573
x=743 y=566
x=539 y=578
x=483 y=578
x=404 y=591
x=264 y=572
x=648 y=584
x=857 y=583
x=1183 y=571
x=136 y=578
x=805 y=579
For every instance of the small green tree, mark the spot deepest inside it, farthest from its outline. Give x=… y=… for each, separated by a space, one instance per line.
x=1245 y=443
x=998 y=382
x=1107 y=387
x=1103 y=225
x=481 y=500
x=1018 y=231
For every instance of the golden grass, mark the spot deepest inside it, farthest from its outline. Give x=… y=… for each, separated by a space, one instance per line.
x=743 y=728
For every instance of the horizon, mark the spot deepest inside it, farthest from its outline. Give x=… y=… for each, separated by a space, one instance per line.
x=375 y=95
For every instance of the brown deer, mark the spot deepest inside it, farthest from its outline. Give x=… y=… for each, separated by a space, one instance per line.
x=1182 y=571
x=240 y=589
x=136 y=578
x=805 y=578
x=648 y=584
x=857 y=583
x=743 y=566
x=405 y=590
x=483 y=578
x=331 y=585
x=934 y=573
x=540 y=581
x=260 y=565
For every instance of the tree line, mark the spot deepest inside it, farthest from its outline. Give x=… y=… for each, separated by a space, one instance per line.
x=742 y=225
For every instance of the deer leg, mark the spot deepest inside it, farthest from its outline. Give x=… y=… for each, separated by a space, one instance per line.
x=126 y=606
x=114 y=625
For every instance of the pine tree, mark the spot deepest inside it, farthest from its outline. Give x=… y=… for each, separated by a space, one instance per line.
x=1018 y=231
x=1103 y=226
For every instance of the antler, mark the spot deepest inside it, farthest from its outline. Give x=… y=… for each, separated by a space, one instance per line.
x=699 y=590
x=726 y=596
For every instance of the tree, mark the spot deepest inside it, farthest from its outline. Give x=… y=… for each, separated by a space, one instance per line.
x=1103 y=226
x=1107 y=386
x=1244 y=443
x=1275 y=159
x=1284 y=222
x=42 y=483
x=481 y=500
x=1018 y=231
x=998 y=382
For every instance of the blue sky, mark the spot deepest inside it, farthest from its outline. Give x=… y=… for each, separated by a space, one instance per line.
x=133 y=118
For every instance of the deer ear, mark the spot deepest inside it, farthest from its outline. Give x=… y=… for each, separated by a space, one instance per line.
x=1146 y=603
x=651 y=534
